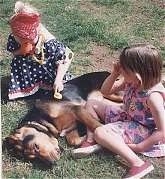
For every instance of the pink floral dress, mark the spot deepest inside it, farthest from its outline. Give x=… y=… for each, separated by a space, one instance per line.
x=133 y=120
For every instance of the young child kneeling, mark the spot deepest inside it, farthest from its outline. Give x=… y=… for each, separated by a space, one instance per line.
x=40 y=61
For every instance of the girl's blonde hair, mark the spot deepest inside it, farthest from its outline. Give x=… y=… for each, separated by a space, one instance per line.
x=144 y=60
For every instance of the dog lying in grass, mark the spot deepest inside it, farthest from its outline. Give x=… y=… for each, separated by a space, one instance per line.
x=37 y=134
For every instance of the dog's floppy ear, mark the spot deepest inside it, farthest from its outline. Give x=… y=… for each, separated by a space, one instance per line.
x=14 y=140
x=15 y=145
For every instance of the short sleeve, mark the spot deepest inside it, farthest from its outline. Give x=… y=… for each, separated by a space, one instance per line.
x=12 y=44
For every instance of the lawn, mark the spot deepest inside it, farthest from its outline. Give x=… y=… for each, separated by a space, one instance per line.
x=96 y=30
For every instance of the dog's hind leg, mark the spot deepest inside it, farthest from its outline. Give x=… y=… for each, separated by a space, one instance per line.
x=74 y=139
x=86 y=118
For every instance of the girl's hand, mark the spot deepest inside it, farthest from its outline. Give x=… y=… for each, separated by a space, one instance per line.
x=116 y=68
x=58 y=85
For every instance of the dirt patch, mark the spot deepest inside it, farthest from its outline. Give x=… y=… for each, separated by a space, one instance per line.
x=92 y=8
x=163 y=74
x=100 y=58
x=160 y=3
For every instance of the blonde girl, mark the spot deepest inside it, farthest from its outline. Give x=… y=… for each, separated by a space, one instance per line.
x=40 y=61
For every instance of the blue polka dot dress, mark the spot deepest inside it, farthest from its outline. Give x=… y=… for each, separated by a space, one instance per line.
x=27 y=75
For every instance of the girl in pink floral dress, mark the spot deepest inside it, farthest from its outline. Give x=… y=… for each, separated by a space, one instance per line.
x=137 y=125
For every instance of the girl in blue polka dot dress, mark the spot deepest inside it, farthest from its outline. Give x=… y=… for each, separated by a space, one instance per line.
x=40 y=61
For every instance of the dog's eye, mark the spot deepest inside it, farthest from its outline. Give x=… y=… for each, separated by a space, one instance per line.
x=36 y=147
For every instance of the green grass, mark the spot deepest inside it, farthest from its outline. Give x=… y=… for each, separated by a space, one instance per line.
x=80 y=25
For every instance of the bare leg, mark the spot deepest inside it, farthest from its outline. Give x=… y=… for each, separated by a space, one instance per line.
x=97 y=109
x=110 y=139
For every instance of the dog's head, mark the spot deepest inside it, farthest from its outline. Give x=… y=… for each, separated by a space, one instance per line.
x=34 y=144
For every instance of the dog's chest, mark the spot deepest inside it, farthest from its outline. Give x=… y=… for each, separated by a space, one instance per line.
x=65 y=121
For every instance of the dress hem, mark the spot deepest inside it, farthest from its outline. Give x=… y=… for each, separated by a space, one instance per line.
x=21 y=94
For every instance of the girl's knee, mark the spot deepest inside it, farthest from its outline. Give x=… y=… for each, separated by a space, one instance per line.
x=99 y=133
x=103 y=132
x=92 y=103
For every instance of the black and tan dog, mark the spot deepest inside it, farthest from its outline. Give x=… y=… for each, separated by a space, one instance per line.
x=37 y=134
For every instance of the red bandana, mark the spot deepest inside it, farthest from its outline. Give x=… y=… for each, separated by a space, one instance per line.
x=24 y=25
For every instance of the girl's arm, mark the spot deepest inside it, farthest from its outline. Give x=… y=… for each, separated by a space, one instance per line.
x=116 y=91
x=62 y=69
x=156 y=105
x=111 y=85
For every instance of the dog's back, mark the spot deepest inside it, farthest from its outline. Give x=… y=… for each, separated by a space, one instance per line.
x=79 y=88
